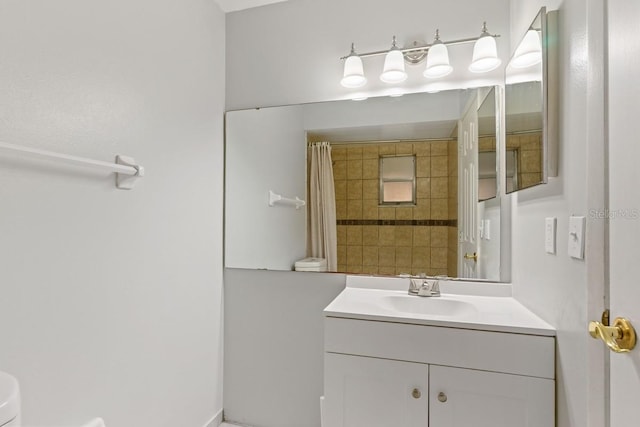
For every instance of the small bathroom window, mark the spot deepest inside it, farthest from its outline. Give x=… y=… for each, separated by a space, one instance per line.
x=398 y=180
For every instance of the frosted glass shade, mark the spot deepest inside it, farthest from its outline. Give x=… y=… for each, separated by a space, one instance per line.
x=393 y=71
x=529 y=52
x=437 y=62
x=485 y=55
x=353 y=72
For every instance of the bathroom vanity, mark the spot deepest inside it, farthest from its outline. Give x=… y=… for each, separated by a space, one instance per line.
x=458 y=360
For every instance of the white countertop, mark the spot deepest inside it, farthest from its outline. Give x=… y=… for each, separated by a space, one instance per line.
x=487 y=313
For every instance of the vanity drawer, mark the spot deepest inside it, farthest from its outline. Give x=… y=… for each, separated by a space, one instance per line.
x=519 y=354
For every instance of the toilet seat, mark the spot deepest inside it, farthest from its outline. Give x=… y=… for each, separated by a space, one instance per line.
x=9 y=401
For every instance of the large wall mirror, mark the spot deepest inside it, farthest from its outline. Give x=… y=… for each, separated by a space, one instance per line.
x=412 y=182
x=530 y=100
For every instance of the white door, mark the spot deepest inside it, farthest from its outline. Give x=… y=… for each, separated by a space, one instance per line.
x=468 y=191
x=624 y=201
x=465 y=398
x=368 y=392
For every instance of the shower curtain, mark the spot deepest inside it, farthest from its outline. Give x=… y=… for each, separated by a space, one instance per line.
x=322 y=238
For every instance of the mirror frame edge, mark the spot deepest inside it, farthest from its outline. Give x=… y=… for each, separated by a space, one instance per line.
x=551 y=88
x=506 y=230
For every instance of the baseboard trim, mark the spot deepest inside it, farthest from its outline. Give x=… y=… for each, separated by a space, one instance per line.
x=216 y=420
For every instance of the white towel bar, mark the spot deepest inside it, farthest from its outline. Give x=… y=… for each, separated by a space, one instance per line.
x=125 y=168
x=278 y=199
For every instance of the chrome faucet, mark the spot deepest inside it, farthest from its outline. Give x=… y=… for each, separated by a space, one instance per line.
x=424 y=287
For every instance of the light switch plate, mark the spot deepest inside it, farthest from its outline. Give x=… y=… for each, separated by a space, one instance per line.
x=487 y=229
x=550 y=235
x=576 y=236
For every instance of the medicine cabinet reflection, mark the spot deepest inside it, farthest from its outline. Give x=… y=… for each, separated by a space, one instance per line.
x=530 y=106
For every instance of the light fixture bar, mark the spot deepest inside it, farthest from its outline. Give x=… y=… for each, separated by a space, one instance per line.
x=419 y=48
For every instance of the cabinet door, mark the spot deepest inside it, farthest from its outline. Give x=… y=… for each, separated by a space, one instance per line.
x=464 y=397
x=368 y=392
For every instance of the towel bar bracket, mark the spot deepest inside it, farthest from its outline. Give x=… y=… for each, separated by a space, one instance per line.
x=124 y=181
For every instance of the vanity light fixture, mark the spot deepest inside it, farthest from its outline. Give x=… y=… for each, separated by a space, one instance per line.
x=393 y=71
x=353 y=71
x=485 y=58
x=485 y=53
x=437 y=59
x=529 y=52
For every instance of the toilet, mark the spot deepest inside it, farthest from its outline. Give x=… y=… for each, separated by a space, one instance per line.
x=9 y=401
x=311 y=264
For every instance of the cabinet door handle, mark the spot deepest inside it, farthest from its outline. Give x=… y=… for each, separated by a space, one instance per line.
x=416 y=393
x=442 y=397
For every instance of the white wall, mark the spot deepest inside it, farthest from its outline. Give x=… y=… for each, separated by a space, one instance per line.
x=111 y=299
x=265 y=150
x=288 y=53
x=384 y=111
x=274 y=346
x=564 y=291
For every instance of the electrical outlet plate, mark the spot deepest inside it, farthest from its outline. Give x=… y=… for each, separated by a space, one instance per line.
x=576 y=236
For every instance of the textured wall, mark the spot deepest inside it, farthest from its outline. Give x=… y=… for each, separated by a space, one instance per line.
x=111 y=299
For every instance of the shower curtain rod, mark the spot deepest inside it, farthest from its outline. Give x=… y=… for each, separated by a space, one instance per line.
x=381 y=141
x=125 y=167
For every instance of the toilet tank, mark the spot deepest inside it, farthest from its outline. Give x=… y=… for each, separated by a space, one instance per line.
x=311 y=264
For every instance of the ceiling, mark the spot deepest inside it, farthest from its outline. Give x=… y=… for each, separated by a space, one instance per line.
x=401 y=131
x=234 y=5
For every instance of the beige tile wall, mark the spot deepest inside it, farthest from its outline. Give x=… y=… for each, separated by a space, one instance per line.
x=529 y=149
x=395 y=249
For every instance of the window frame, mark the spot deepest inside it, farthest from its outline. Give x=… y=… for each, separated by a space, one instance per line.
x=382 y=181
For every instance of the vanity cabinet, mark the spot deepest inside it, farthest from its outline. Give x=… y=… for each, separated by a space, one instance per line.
x=465 y=397
x=372 y=392
x=381 y=374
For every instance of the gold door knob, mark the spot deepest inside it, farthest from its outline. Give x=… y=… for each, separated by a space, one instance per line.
x=473 y=256
x=620 y=338
x=416 y=393
x=442 y=397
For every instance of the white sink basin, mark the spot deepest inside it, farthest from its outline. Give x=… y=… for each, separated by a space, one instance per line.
x=386 y=300
x=433 y=306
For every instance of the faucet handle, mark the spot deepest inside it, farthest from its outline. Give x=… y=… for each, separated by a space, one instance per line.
x=415 y=285
x=435 y=288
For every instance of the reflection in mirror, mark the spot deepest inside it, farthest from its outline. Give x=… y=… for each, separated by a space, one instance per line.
x=487 y=166
x=526 y=142
x=489 y=198
x=397 y=180
x=265 y=150
x=524 y=135
x=375 y=237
